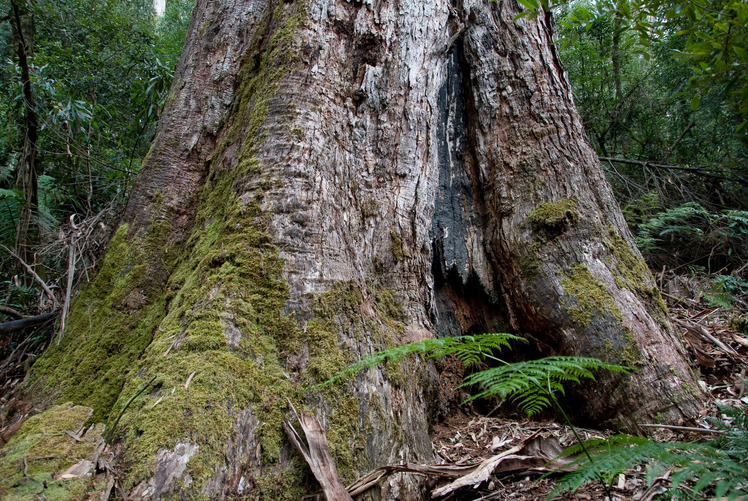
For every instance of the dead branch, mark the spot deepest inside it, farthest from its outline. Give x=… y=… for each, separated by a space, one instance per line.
x=71 y=277
x=17 y=325
x=11 y=312
x=703 y=334
x=375 y=476
x=33 y=274
x=481 y=473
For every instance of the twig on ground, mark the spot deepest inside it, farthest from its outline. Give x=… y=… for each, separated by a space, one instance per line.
x=683 y=428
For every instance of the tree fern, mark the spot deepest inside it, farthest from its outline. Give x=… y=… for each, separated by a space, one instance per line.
x=721 y=464
x=530 y=384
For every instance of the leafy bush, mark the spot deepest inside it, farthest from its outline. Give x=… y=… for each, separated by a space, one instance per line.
x=690 y=234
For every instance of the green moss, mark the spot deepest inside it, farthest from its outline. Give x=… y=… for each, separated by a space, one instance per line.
x=529 y=262
x=630 y=354
x=370 y=208
x=396 y=247
x=588 y=297
x=41 y=450
x=554 y=216
x=632 y=273
x=739 y=323
x=226 y=278
x=109 y=325
x=152 y=312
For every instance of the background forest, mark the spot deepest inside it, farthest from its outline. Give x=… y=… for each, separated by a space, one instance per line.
x=662 y=89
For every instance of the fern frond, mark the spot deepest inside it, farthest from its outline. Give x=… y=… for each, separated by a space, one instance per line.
x=720 y=464
x=531 y=384
x=467 y=349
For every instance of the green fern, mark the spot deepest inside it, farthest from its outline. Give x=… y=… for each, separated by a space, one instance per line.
x=530 y=385
x=468 y=349
x=721 y=464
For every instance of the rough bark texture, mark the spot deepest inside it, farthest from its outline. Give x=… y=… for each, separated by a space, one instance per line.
x=333 y=178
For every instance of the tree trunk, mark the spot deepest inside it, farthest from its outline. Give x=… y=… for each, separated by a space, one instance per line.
x=27 y=176
x=333 y=178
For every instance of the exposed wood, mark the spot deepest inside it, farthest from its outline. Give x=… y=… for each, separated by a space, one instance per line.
x=316 y=452
x=481 y=473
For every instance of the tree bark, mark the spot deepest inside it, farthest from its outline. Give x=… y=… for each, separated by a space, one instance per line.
x=333 y=178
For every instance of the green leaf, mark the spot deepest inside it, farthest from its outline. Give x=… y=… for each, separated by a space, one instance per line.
x=530 y=5
x=741 y=53
x=695 y=103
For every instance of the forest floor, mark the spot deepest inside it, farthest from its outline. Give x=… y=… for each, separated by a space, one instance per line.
x=717 y=349
x=717 y=343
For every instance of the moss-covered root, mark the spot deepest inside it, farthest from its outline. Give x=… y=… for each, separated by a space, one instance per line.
x=51 y=457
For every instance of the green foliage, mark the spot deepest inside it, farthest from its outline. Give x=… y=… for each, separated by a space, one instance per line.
x=468 y=349
x=690 y=234
x=100 y=71
x=715 y=33
x=644 y=97
x=717 y=466
x=531 y=384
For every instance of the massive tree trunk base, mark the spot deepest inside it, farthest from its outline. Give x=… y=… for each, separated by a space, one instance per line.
x=334 y=178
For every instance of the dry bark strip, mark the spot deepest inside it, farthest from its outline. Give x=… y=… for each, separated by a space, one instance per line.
x=317 y=455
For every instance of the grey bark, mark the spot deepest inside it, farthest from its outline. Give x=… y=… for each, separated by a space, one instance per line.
x=409 y=145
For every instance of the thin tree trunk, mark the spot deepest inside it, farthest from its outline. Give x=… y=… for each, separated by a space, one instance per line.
x=336 y=178
x=27 y=173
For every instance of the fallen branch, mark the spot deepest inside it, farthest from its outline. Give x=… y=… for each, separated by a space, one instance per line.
x=481 y=473
x=703 y=334
x=17 y=325
x=375 y=476
x=11 y=312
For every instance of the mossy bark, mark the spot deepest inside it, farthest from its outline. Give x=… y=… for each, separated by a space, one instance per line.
x=334 y=178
